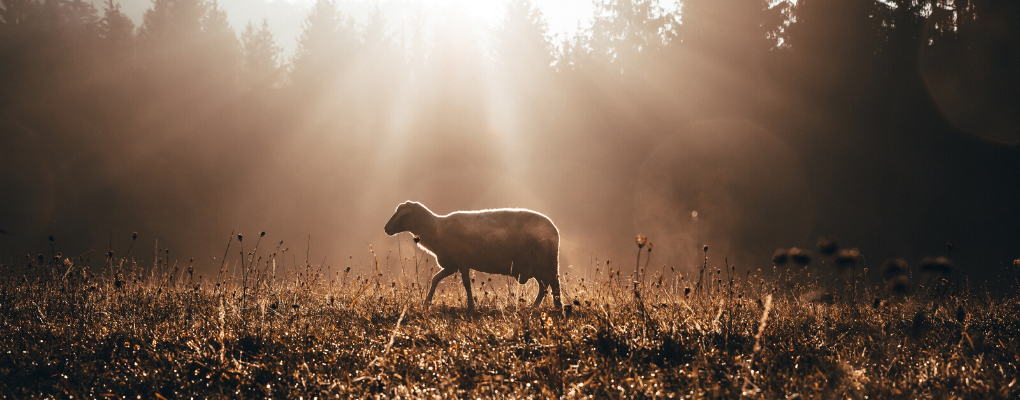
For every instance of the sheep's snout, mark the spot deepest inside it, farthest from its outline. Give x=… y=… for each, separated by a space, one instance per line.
x=390 y=229
x=396 y=223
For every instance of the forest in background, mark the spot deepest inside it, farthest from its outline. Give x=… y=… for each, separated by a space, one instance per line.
x=891 y=126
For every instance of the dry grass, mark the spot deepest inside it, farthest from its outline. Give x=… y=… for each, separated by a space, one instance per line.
x=126 y=331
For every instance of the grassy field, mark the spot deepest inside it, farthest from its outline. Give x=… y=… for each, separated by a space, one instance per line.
x=124 y=330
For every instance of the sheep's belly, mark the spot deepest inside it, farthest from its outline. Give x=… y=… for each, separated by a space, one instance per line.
x=515 y=263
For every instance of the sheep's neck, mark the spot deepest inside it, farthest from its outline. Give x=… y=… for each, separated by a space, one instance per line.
x=426 y=230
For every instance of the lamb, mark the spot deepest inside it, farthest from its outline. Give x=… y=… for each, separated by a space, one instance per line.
x=521 y=243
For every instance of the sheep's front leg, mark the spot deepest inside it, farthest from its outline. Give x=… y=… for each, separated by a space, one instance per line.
x=466 y=277
x=445 y=272
x=541 y=294
x=556 y=293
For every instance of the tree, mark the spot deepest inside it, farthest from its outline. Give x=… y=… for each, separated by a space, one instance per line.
x=221 y=51
x=15 y=12
x=522 y=42
x=260 y=57
x=170 y=24
x=627 y=32
x=44 y=45
x=117 y=33
x=735 y=32
x=524 y=57
x=325 y=48
x=189 y=51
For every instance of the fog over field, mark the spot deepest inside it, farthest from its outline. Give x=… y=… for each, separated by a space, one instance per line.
x=744 y=125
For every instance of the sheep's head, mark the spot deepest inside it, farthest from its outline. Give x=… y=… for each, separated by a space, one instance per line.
x=402 y=219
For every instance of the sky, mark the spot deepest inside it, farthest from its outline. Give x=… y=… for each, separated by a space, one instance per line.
x=286 y=16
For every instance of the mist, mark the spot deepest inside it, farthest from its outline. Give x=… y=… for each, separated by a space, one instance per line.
x=742 y=125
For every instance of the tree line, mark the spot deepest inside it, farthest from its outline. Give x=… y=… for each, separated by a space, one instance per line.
x=183 y=121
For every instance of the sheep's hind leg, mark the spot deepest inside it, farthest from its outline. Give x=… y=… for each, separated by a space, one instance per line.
x=466 y=277
x=445 y=272
x=556 y=293
x=541 y=294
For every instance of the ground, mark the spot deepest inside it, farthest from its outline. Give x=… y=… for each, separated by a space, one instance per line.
x=124 y=331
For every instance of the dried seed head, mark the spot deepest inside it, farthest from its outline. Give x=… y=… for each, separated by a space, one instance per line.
x=894 y=267
x=706 y=248
x=938 y=265
x=51 y=238
x=847 y=257
x=827 y=247
x=262 y=234
x=780 y=256
x=134 y=235
x=641 y=240
x=800 y=256
x=898 y=285
x=240 y=238
x=649 y=247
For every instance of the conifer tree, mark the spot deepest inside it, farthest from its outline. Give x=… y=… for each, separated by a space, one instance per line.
x=523 y=38
x=171 y=24
x=325 y=48
x=261 y=56
x=221 y=49
x=629 y=31
x=117 y=33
